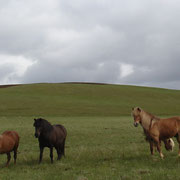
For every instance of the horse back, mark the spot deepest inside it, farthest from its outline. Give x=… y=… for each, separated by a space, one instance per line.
x=57 y=136
x=173 y=121
x=169 y=127
x=61 y=129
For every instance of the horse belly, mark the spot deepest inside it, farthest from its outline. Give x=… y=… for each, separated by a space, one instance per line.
x=167 y=133
x=48 y=141
x=44 y=142
x=167 y=128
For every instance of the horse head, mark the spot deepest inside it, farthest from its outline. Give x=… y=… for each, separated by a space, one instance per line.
x=38 y=127
x=136 y=115
x=169 y=144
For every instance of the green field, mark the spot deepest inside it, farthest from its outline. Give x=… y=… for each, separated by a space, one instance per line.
x=102 y=142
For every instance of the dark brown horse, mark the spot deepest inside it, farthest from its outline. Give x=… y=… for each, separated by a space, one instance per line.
x=9 y=141
x=50 y=136
x=157 y=129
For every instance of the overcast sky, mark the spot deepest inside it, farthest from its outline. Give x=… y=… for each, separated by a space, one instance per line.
x=134 y=42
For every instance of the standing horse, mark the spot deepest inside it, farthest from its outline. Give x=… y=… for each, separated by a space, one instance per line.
x=9 y=141
x=157 y=129
x=50 y=136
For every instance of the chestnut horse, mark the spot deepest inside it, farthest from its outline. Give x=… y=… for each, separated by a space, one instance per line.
x=9 y=141
x=157 y=129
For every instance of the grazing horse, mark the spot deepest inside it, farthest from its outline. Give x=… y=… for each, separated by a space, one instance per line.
x=50 y=136
x=169 y=143
x=157 y=129
x=9 y=141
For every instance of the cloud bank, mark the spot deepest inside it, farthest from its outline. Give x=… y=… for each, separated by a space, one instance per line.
x=125 y=42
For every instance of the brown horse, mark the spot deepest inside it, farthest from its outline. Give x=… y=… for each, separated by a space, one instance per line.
x=157 y=129
x=168 y=143
x=50 y=136
x=9 y=141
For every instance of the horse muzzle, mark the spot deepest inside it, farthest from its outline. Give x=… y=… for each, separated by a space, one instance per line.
x=36 y=135
x=136 y=124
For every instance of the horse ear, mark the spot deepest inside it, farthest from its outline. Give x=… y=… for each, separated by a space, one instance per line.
x=35 y=120
x=132 y=109
x=139 y=109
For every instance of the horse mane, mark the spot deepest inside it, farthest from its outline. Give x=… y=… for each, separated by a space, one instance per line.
x=149 y=116
x=45 y=124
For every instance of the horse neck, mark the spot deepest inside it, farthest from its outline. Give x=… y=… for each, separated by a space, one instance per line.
x=47 y=128
x=146 y=119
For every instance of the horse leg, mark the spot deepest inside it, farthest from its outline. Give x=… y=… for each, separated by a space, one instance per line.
x=15 y=155
x=58 y=153
x=151 y=143
x=8 y=158
x=51 y=154
x=158 y=145
x=63 y=148
x=41 y=154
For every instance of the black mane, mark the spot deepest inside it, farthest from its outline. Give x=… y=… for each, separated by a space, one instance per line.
x=44 y=124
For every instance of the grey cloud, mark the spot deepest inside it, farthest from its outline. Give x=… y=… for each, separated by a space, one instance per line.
x=88 y=40
x=8 y=74
x=90 y=72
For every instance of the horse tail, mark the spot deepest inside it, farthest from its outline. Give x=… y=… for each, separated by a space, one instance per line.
x=65 y=131
x=63 y=148
x=16 y=138
x=178 y=124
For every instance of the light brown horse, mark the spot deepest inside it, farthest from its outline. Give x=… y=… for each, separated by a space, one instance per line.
x=9 y=141
x=157 y=129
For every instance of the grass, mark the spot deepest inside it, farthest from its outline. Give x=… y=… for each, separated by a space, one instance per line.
x=85 y=100
x=96 y=148
x=102 y=143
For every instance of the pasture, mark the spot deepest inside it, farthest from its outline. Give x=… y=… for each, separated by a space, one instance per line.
x=102 y=142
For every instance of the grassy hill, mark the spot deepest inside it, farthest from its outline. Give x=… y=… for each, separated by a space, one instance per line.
x=79 y=99
x=102 y=142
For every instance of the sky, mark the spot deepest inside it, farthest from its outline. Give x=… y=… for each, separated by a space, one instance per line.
x=133 y=42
